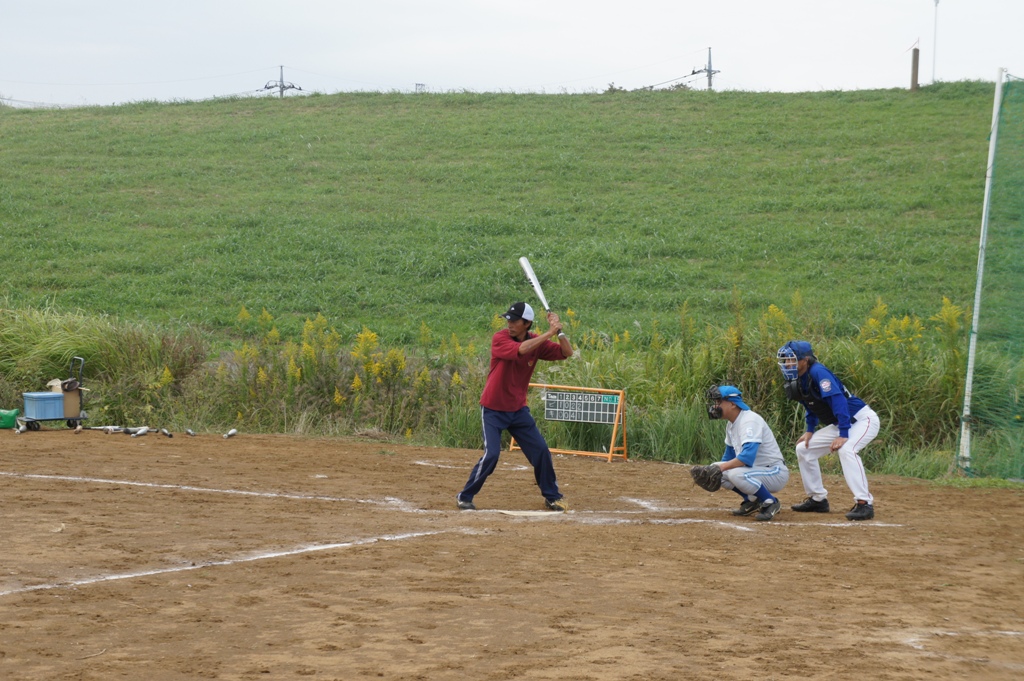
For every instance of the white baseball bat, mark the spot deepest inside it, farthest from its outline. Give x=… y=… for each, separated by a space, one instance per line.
x=535 y=282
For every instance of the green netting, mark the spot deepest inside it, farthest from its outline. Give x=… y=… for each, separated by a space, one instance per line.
x=996 y=410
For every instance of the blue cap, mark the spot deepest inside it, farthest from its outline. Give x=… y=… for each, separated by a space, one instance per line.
x=733 y=394
x=802 y=349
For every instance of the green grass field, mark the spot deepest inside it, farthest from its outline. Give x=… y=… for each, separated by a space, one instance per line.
x=389 y=210
x=690 y=233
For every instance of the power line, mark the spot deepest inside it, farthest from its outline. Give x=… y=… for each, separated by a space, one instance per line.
x=147 y=82
x=672 y=80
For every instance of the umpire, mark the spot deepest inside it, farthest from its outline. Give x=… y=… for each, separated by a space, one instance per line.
x=514 y=355
x=849 y=425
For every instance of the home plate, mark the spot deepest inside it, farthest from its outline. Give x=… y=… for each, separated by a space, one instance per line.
x=548 y=513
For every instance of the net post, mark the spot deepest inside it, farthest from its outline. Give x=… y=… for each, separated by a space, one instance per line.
x=964 y=452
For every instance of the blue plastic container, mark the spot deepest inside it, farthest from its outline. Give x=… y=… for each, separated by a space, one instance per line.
x=44 y=406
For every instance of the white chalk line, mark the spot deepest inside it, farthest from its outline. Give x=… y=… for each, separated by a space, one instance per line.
x=844 y=523
x=230 y=561
x=643 y=503
x=655 y=507
x=506 y=466
x=917 y=643
x=397 y=504
x=687 y=521
x=386 y=501
x=530 y=514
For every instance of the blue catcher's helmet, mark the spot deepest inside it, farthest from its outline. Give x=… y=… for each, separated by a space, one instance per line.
x=790 y=354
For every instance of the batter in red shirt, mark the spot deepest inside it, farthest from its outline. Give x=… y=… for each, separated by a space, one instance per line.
x=515 y=352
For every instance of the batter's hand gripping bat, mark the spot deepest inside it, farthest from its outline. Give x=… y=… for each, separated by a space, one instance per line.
x=535 y=282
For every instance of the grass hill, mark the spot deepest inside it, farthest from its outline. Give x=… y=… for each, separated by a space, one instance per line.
x=390 y=210
x=684 y=235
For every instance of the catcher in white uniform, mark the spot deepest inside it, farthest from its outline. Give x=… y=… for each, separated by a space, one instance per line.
x=752 y=465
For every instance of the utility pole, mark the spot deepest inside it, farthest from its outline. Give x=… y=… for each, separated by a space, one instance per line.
x=935 y=39
x=915 y=59
x=281 y=85
x=708 y=70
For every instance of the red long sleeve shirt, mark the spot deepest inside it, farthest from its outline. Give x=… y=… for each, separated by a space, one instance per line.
x=509 y=377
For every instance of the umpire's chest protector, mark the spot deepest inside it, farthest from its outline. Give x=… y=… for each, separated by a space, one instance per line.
x=810 y=396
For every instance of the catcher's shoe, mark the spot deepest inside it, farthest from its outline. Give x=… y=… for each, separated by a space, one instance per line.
x=769 y=509
x=861 y=511
x=465 y=505
x=811 y=505
x=556 y=505
x=747 y=507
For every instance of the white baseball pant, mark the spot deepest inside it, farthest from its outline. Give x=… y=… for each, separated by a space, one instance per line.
x=749 y=479
x=861 y=433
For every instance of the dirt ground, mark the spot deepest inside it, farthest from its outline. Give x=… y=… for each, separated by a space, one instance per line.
x=274 y=557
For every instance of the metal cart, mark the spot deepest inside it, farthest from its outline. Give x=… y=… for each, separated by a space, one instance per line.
x=71 y=398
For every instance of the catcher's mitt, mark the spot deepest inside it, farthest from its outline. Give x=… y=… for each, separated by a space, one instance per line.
x=707 y=477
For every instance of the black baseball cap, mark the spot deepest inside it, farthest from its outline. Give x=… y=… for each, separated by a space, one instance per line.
x=519 y=311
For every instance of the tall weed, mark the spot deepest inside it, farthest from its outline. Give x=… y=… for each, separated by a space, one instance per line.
x=320 y=382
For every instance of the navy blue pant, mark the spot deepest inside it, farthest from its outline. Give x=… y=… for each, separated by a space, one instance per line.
x=523 y=428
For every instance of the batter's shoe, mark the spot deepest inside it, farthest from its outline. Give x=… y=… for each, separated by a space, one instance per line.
x=861 y=511
x=769 y=509
x=557 y=505
x=465 y=505
x=810 y=505
x=747 y=507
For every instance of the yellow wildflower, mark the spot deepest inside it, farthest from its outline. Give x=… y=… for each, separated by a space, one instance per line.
x=265 y=319
x=332 y=341
x=308 y=353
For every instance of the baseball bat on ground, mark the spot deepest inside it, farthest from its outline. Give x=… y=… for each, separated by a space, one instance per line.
x=535 y=282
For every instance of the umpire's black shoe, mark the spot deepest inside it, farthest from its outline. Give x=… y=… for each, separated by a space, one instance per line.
x=861 y=511
x=811 y=505
x=769 y=509
x=747 y=507
x=465 y=505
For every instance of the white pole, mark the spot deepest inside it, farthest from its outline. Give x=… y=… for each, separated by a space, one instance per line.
x=709 y=68
x=935 y=39
x=964 y=458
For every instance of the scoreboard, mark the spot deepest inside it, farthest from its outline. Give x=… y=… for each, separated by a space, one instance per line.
x=586 y=405
x=581 y=407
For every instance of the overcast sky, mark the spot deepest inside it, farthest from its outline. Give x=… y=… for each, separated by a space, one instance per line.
x=69 y=52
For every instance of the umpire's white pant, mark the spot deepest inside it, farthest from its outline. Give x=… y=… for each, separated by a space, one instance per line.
x=861 y=433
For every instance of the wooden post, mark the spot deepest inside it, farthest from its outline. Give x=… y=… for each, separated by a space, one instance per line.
x=913 y=69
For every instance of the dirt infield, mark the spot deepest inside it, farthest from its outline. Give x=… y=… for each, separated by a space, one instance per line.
x=272 y=557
